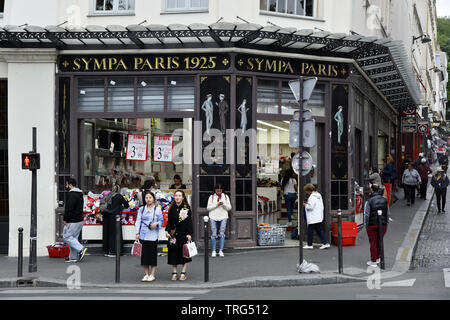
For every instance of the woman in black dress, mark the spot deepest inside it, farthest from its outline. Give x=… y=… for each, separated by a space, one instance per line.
x=179 y=231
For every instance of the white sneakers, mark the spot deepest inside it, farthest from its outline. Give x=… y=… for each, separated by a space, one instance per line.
x=374 y=264
x=324 y=246
x=148 y=278
x=214 y=254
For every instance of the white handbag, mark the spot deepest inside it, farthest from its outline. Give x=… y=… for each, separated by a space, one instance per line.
x=189 y=250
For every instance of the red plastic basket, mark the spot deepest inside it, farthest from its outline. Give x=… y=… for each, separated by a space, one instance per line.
x=58 y=251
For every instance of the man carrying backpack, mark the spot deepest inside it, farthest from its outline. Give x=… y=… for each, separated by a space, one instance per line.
x=111 y=206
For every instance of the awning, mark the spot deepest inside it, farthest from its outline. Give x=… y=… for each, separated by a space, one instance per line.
x=383 y=60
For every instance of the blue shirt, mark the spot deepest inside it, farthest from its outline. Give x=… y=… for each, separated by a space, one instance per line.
x=145 y=218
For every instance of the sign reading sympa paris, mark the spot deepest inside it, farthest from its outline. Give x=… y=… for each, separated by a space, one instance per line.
x=162 y=149
x=137 y=147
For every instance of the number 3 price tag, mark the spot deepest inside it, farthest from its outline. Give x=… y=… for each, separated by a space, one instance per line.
x=162 y=149
x=137 y=147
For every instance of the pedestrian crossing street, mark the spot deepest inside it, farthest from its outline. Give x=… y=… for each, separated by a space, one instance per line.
x=99 y=294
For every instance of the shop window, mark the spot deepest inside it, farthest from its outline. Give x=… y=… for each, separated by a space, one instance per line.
x=4 y=196
x=121 y=94
x=288 y=103
x=150 y=94
x=316 y=103
x=207 y=184
x=294 y=7
x=268 y=98
x=91 y=95
x=183 y=5
x=114 y=6
x=181 y=93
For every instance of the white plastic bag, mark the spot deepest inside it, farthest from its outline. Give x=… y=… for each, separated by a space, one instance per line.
x=189 y=250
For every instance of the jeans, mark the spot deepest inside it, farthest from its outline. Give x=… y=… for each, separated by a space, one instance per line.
x=441 y=195
x=70 y=235
x=318 y=228
x=290 y=198
x=372 y=233
x=221 y=226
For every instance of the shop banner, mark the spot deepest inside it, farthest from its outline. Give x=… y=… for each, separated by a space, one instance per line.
x=409 y=124
x=137 y=147
x=423 y=127
x=162 y=149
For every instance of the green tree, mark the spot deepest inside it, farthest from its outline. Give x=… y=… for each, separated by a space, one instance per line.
x=443 y=25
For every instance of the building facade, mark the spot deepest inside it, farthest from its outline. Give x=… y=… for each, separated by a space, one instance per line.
x=91 y=75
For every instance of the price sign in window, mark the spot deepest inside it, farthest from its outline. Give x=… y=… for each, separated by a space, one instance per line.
x=162 y=149
x=137 y=147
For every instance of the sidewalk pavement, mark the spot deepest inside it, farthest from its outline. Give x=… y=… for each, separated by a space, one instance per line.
x=250 y=267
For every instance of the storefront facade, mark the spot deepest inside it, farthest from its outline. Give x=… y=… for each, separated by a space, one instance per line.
x=102 y=96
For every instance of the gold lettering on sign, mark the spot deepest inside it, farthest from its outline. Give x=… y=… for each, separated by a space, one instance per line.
x=159 y=63
x=76 y=63
x=100 y=65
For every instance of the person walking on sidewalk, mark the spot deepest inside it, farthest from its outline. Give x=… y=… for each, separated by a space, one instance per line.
x=411 y=179
x=440 y=183
x=218 y=206
x=148 y=223
x=118 y=203
x=375 y=202
x=73 y=221
x=443 y=162
x=289 y=185
x=424 y=171
x=179 y=231
x=314 y=216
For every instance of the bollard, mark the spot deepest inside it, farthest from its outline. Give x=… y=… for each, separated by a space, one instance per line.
x=118 y=227
x=20 y=254
x=380 y=239
x=341 y=268
x=205 y=220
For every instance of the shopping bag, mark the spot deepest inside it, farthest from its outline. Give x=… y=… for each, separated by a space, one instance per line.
x=136 y=250
x=189 y=250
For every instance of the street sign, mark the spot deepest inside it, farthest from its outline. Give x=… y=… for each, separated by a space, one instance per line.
x=423 y=127
x=307 y=163
x=31 y=161
x=308 y=88
x=309 y=133
x=307 y=114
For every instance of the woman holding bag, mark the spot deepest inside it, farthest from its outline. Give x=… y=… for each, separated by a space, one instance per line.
x=179 y=230
x=148 y=223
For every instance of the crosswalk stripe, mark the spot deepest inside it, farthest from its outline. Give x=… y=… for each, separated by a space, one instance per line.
x=402 y=283
x=103 y=291
x=447 y=277
x=116 y=297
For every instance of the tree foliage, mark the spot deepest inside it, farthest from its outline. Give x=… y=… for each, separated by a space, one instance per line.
x=444 y=42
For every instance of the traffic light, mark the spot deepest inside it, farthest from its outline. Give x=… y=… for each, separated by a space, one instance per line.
x=31 y=161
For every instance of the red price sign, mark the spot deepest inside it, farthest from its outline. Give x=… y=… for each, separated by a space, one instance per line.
x=137 y=147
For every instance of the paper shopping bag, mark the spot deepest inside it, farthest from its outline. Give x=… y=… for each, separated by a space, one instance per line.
x=189 y=250
x=136 y=250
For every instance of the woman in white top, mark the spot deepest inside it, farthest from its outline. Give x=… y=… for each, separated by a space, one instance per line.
x=218 y=206
x=289 y=185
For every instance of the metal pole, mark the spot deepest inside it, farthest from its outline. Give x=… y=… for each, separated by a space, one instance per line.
x=20 y=254
x=118 y=244
x=32 y=266
x=205 y=221
x=300 y=181
x=341 y=267
x=380 y=238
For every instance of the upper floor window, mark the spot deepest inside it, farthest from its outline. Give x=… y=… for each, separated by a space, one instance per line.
x=114 y=6
x=186 y=5
x=294 y=7
x=2 y=7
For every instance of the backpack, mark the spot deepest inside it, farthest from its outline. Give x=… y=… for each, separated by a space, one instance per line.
x=105 y=204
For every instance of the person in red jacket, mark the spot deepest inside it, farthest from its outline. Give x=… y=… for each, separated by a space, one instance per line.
x=424 y=171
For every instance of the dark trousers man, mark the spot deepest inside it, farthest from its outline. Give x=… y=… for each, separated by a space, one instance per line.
x=372 y=233
x=410 y=191
x=423 y=188
x=109 y=234
x=318 y=228
x=441 y=195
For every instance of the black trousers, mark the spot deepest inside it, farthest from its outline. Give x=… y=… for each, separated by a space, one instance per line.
x=423 y=188
x=441 y=196
x=109 y=234
x=410 y=192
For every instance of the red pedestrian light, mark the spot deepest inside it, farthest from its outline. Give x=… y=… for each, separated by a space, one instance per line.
x=31 y=161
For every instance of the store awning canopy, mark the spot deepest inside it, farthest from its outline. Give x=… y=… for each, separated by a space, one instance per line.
x=383 y=60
